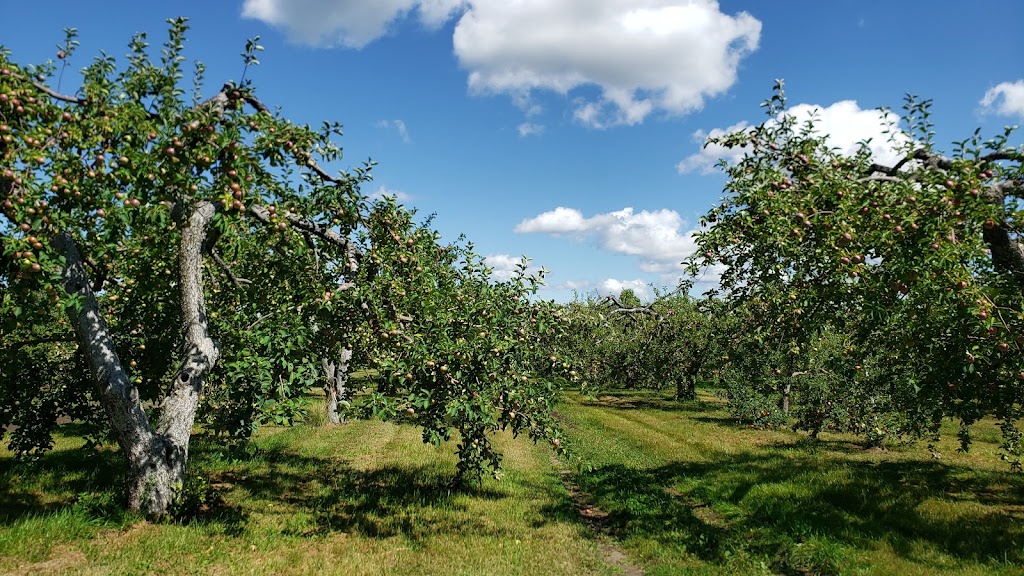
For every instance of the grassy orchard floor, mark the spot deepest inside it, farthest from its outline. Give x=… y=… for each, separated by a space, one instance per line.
x=676 y=486
x=687 y=491
x=367 y=498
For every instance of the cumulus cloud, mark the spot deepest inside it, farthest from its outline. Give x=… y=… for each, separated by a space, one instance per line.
x=607 y=287
x=705 y=160
x=505 y=266
x=844 y=122
x=1006 y=99
x=643 y=56
x=657 y=238
x=350 y=23
x=613 y=287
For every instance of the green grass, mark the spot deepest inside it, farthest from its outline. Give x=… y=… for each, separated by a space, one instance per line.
x=677 y=486
x=687 y=491
x=366 y=498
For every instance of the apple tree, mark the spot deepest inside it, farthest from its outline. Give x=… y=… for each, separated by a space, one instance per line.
x=919 y=261
x=160 y=248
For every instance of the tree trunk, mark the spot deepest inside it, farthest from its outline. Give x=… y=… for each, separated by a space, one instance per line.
x=336 y=386
x=155 y=458
x=784 y=402
x=686 y=389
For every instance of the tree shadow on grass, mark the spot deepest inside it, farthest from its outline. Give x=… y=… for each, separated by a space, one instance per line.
x=648 y=400
x=769 y=504
x=55 y=481
x=330 y=495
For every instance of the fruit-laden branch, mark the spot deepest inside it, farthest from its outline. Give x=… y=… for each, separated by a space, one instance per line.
x=939 y=161
x=352 y=252
x=1007 y=251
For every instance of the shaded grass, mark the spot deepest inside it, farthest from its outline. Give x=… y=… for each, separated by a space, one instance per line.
x=688 y=492
x=366 y=498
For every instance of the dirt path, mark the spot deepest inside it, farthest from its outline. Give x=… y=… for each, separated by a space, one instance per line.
x=597 y=520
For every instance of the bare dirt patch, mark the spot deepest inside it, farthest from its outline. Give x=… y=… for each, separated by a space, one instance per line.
x=597 y=521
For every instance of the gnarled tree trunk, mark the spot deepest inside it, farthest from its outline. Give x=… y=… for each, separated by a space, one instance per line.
x=336 y=386
x=156 y=457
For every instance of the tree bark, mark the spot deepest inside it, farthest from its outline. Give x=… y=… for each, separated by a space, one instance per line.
x=336 y=386
x=155 y=458
x=784 y=402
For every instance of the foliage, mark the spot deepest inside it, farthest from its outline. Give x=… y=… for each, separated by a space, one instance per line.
x=918 y=263
x=297 y=264
x=670 y=343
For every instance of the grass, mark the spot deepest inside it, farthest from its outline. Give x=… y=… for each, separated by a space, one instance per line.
x=366 y=498
x=676 y=486
x=686 y=491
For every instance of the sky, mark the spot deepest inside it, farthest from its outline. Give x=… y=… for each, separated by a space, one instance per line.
x=572 y=131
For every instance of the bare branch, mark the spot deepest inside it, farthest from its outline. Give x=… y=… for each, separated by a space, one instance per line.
x=227 y=270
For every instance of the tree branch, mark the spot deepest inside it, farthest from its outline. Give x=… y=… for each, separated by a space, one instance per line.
x=352 y=252
x=227 y=270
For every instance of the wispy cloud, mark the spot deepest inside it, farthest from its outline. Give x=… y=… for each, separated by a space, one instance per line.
x=398 y=125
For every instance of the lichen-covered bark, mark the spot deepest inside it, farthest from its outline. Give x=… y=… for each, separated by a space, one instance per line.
x=117 y=395
x=156 y=459
x=336 y=385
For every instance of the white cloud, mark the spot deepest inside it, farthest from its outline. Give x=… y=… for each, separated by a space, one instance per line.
x=1006 y=99
x=705 y=160
x=613 y=287
x=658 y=238
x=530 y=129
x=397 y=125
x=384 y=192
x=643 y=55
x=505 y=266
x=606 y=287
x=844 y=122
x=350 y=23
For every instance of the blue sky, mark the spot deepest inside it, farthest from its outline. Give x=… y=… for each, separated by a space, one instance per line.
x=570 y=130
